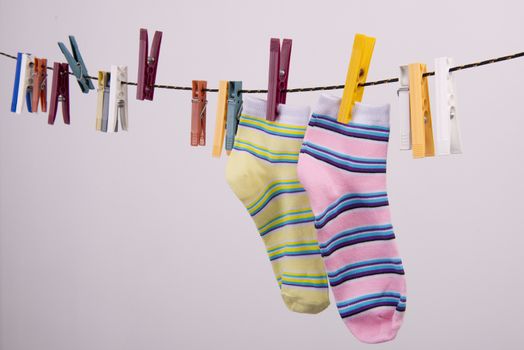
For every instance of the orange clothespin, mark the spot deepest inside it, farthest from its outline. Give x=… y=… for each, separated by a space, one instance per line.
x=198 y=113
x=40 y=85
x=220 y=125
x=357 y=73
x=420 y=111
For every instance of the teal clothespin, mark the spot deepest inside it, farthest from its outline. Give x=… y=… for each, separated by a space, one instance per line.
x=234 y=108
x=77 y=65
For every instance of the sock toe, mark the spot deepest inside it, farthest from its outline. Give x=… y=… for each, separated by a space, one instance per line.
x=375 y=326
x=305 y=302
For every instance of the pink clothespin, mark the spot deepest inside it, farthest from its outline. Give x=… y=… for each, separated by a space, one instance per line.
x=278 y=75
x=147 y=65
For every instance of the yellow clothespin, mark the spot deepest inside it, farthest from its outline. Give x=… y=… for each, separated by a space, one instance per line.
x=420 y=110
x=220 y=124
x=357 y=73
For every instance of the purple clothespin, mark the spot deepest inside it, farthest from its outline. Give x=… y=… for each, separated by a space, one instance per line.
x=59 y=92
x=278 y=75
x=147 y=65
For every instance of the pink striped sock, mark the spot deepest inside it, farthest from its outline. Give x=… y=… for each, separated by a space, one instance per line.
x=343 y=169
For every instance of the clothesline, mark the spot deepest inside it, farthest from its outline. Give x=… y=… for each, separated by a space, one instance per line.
x=327 y=87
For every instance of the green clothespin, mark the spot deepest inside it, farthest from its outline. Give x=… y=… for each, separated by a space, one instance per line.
x=77 y=65
x=234 y=108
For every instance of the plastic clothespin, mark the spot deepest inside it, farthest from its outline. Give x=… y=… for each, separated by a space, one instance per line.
x=23 y=86
x=279 y=60
x=420 y=111
x=118 y=99
x=448 y=139
x=102 y=106
x=40 y=85
x=198 y=113
x=234 y=108
x=220 y=124
x=147 y=65
x=403 y=110
x=357 y=73
x=59 y=92
x=77 y=64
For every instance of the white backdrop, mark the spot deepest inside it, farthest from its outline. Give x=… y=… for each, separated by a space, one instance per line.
x=135 y=241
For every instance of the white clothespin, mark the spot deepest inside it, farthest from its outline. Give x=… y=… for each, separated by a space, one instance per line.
x=447 y=131
x=403 y=110
x=117 y=99
x=23 y=89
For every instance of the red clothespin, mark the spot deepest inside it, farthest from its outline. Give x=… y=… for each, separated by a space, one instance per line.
x=40 y=85
x=198 y=113
x=59 y=92
x=147 y=65
x=278 y=75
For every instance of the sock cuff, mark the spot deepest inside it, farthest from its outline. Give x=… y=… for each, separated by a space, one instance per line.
x=256 y=107
x=329 y=104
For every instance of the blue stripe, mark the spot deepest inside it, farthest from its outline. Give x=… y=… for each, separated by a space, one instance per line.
x=265 y=150
x=349 y=205
x=278 y=256
x=292 y=222
x=367 y=297
x=365 y=263
x=357 y=125
x=344 y=156
x=360 y=229
x=270 y=131
x=273 y=124
x=336 y=159
x=266 y=158
x=350 y=196
x=359 y=238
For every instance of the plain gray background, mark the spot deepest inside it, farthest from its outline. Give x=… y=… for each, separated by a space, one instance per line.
x=134 y=241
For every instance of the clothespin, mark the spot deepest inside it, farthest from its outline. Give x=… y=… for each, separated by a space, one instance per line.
x=77 y=64
x=447 y=132
x=23 y=86
x=357 y=73
x=198 y=113
x=118 y=99
x=403 y=111
x=279 y=60
x=234 y=108
x=102 y=107
x=59 y=92
x=147 y=65
x=420 y=111
x=220 y=125
x=40 y=85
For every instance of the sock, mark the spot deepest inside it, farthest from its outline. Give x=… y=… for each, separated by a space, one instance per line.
x=261 y=171
x=343 y=169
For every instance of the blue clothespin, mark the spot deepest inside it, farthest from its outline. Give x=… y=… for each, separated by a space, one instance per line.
x=234 y=108
x=23 y=86
x=77 y=65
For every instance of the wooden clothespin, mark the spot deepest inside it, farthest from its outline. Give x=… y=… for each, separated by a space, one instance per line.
x=147 y=65
x=234 y=108
x=420 y=111
x=118 y=99
x=40 y=85
x=198 y=113
x=59 y=92
x=220 y=124
x=403 y=108
x=279 y=60
x=102 y=107
x=77 y=64
x=357 y=73
x=448 y=139
x=23 y=85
